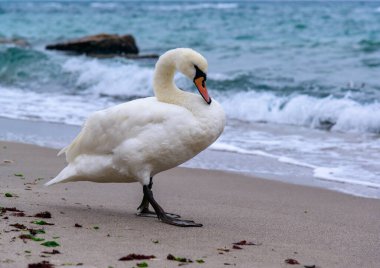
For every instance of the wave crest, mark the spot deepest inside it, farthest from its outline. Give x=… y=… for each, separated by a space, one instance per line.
x=194 y=6
x=116 y=80
x=325 y=113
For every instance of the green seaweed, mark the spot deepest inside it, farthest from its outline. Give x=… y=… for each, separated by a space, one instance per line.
x=50 y=244
x=37 y=239
x=31 y=237
x=200 y=261
x=8 y=195
x=179 y=259
x=42 y=222
x=142 y=264
x=39 y=231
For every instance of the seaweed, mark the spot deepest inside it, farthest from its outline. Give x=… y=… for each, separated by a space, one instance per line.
x=42 y=223
x=36 y=231
x=5 y=209
x=78 y=225
x=31 y=237
x=18 y=214
x=179 y=259
x=236 y=247
x=18 y=226
x=291 y=261
x=50 y=244
x=53 y=252
x=44 y=215
x=134 y=256
x=43 y=264
x=245 y=243
x=25 y=236
x=142 y=264
x=8 y=195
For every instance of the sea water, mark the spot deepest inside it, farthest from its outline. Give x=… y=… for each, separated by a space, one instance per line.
x=299 y=81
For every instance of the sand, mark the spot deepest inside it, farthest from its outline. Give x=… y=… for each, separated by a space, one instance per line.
x=314 y=226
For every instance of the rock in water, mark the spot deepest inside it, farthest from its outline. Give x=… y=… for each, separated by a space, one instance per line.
x=100 y=44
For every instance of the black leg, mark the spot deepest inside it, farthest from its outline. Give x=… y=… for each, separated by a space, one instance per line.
x=144 y=206
x=143 y=209
x=163 y=216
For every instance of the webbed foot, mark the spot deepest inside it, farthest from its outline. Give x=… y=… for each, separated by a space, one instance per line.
x=180 y=222
x=162 y=215
x=151 y=214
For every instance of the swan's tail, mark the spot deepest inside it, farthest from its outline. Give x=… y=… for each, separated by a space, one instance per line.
x=66 y=175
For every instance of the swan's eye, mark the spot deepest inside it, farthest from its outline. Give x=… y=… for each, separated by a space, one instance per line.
x=199 y=73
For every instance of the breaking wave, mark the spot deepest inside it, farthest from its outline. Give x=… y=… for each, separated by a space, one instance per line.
x=328 y=113
x=114 y=81
x=194 y=6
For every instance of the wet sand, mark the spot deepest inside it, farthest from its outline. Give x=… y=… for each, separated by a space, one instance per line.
x=311 y=225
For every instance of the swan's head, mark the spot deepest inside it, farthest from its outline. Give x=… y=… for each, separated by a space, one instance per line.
x=194 y=66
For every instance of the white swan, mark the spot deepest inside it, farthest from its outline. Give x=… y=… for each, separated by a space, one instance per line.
x=134 y=141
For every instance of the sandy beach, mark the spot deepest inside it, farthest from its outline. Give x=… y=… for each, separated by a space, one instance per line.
x=313 y=226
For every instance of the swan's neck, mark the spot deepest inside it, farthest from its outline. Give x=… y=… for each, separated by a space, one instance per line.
x=163 y=83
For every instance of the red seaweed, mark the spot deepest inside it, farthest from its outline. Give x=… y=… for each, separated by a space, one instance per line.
x=43 y=264
x=291 y=261
x=245 y=243
x=18 y=226
x=44 y=215
x=53 y=252
x=134 y=256
x=36 y=231
x=4 y=209
x=25 y=236
x=18 y=214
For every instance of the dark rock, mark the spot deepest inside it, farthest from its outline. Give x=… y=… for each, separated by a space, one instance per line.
x=14 y=41
x=102 y=44
x=127 y=56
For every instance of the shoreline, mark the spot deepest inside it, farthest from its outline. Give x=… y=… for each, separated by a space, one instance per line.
x=58 y=135
x=314 y=226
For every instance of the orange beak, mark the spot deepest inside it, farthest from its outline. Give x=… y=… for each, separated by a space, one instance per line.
x=200 y=83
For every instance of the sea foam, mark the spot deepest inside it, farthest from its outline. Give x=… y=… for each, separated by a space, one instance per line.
x=49 y=107
x=118 y=80
x=323 y=173
x=330 y=113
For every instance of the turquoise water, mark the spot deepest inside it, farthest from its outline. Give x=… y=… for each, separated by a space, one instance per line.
x=298 y=80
